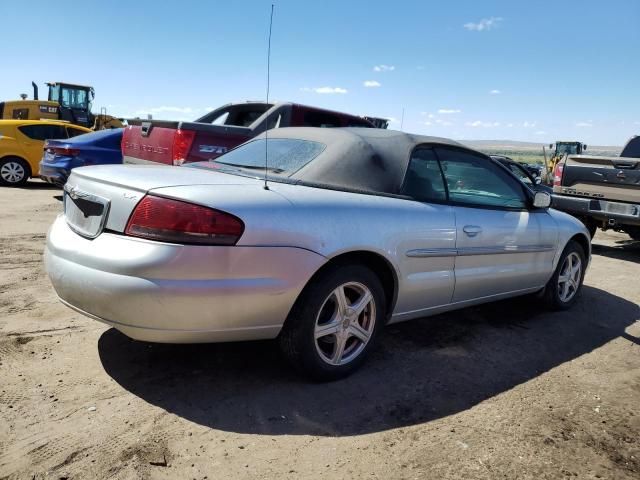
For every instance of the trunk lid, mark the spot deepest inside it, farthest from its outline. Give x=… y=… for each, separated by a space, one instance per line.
x=103 y=197
x=609 y=178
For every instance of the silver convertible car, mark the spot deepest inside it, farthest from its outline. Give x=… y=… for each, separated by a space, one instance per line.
x=355 y=228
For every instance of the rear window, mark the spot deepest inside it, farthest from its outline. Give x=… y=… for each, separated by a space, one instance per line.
x=285 y=156
x=320 y=119
x=236 y=115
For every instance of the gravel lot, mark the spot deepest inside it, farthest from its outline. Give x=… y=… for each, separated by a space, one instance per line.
x=500 y=391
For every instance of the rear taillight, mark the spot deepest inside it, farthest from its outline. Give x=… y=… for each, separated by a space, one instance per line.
x=174 y=221
x=182 y=141
x=557 y=174
x=64 y=151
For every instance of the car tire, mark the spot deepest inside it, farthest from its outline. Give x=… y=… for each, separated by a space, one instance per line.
x=633 y=232
x=592 y=226
x=14 y=172
x=564 y=287
x=328 y=334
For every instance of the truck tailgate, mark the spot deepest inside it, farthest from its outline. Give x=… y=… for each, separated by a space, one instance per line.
x=610 y=178
x=149 y=142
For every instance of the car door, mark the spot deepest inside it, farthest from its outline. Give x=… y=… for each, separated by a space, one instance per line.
x=32 y=141
x=502 y=245
x=427 y=251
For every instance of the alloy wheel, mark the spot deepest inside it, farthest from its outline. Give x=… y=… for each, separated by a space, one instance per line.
x=569 y=278
x=12 y=172
x=345 y=323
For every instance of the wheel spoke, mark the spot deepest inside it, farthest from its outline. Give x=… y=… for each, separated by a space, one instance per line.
x=341 y=300
x=341 y=341
x=356 y=330
x=330 y=328
x=362 y=303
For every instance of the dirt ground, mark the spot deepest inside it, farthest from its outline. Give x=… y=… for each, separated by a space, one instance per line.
x=500 y=391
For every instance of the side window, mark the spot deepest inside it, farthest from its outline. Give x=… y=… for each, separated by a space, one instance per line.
x=423 y=180
x=220 y=119
x=320 y=119
x=475 y=180
x=43 y=132
x=521 y=173
x=74 y=132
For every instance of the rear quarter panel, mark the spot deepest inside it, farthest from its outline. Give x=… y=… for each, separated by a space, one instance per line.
x=9 y=146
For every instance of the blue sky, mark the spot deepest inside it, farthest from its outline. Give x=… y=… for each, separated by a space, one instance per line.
x=538 y=71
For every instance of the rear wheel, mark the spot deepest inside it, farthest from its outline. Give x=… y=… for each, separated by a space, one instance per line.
x=14 y=172
x=562 y=290
x=334 y=323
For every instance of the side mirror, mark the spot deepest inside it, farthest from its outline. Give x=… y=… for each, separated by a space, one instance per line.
x=551 y=146
x=542 y=200
x=584 y=147
x=538 y=180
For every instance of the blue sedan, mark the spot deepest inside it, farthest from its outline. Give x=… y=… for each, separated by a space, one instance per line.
x=96 y=148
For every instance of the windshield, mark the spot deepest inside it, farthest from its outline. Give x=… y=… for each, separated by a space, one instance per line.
x=285 y=156
x=74 y=98
x=566 y=148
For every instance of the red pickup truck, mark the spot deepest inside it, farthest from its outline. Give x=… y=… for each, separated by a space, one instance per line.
x=175 y=143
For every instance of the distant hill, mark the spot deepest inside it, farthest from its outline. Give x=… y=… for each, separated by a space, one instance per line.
x=526 y=146
x=530 y=152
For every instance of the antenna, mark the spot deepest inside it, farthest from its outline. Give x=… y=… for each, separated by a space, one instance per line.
x=266 y=130
x=402 y=120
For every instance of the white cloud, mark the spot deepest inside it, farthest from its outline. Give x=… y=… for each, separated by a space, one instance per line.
x=384 y=68
x=495 y=92
x=529 y=124
x=444 y=123
x=428 y=123
x=584 y=124
x=484 y=24
x=636 y=123
x=480 y=124
x=325 y=90
x=393 y=120
x=445 y=111
x=509 y=125
x=371 y=83
x=540 y=132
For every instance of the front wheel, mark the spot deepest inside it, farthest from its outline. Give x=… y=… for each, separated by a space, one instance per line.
x=334 y=322
x=562 y=290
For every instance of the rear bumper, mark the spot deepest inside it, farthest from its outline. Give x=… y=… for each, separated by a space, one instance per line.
x=55 y=175
x=601 y=210
x=177 y=294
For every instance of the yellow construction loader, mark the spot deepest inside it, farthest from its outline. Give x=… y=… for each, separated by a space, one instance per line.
x=66 y=101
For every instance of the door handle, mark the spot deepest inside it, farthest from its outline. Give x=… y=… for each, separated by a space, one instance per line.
x=472 y=230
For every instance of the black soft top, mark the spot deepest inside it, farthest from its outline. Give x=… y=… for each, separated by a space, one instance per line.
x=367 y=160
